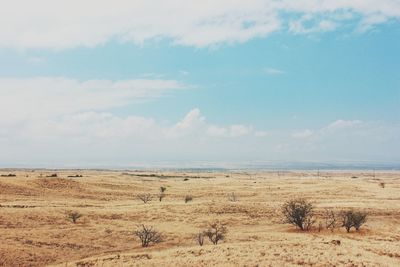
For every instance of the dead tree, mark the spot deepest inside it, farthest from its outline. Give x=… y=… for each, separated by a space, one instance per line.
x=148 y=235
x=216 y=232
x=144 y=197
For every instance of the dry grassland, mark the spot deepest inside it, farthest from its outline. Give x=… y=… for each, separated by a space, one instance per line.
x=35 y=231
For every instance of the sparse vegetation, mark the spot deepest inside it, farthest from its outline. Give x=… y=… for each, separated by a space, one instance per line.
x=8 y=175
x=216 y=232
x=188 y=198
x=382 y=184
x=148 y=235
x=232 y=197
x=351 y=218
x=75 y=176
x=331 y=220
x=299 y=212
x=161 y=195
x=200 y=238
x=111 y=214
x=73 y=216
x=145 y=197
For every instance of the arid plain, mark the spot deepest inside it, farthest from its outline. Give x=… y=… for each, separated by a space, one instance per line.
x=35 y=229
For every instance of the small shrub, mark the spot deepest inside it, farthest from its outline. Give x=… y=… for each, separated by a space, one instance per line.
x=331 y=220
x=148 y=235
x=353 y=218
x=216 y=232
x=200 y=238
x=75 y=176
x=161 y=195
x=54 y=175
x=74 y=216
x=382 y=184
x=188 y=198
x=232 y=197
x=299 y=212
x=186 y=179
x=144 y=197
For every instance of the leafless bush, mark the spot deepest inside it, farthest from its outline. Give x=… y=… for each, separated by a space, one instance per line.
x=148 y=235
x=161 y=195
x=200 y=238
x=144 y=197
x=73 y=216
x=216 y=232
x=232 y=197
x=351 y=218
x=382 y=184
x=188 y=198
x=299 y=212
x=331 y=220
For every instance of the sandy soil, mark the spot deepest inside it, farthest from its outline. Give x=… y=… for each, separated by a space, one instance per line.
x=35 y=231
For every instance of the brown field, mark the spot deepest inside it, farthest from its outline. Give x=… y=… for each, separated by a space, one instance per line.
x=35 y=231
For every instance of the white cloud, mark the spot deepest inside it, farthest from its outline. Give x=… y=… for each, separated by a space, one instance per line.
x=261 y=133
x=84 y=138
x=51 y=97
x=303 y=134
x=68 y=24
x=272 y=71
x=315 y=25
x=233 y=131
x=191 y=123
x=341 y=124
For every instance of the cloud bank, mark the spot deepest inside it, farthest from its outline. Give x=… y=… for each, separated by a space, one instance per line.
x=64 y=122
x=68 y=24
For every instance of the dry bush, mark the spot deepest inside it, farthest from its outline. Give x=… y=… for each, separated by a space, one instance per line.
x=73 y=216
x=232 y=197
x=351 y=218
x=331 y=220
x=188 y=198
x=161 y=195
x=299 y=212
x=200 y=238
x=216 y=232
x=382 y=184
x=144 y=197
x=8 y=175
x=148 y=235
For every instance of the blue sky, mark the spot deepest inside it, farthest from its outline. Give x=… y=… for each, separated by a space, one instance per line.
x=318 y=82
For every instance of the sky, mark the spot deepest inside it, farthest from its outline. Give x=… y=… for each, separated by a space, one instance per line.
x=198 y=83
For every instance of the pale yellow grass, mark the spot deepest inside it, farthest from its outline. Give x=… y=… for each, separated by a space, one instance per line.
x=34 y=230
